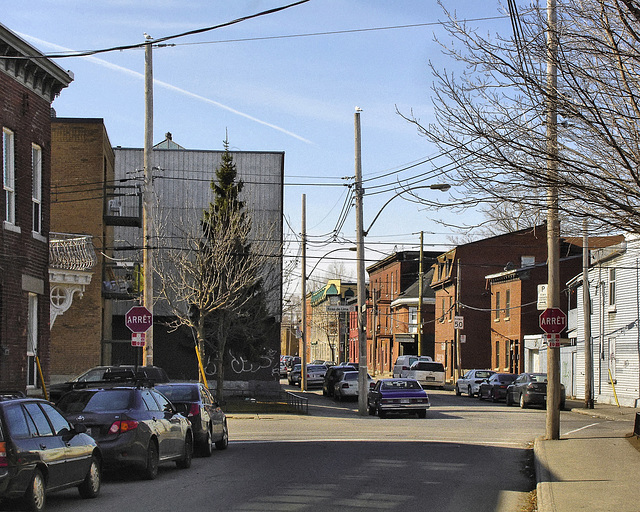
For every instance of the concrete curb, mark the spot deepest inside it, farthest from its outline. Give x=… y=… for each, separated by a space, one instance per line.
x=544 y=492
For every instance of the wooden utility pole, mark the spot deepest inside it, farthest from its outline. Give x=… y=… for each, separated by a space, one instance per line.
x=420 y=296
x=303 y=339
x=147 y=199
x=457 y=313
x=586 y=312
x=553 y=223
x=363 y=386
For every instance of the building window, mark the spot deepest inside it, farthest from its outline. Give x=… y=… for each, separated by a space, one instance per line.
x=32 y=341
x=527 y=261
x=450 y=308
x=413 y=320
x=36 y=193
x=443 y=312
x=497 y=308
x=8 y=175
x=497 y=365
x=612 y=288
x=507 y=304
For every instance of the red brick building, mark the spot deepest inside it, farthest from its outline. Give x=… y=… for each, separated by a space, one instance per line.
x=28 y=87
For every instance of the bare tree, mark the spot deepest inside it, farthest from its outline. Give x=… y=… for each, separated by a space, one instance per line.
x=490 y=119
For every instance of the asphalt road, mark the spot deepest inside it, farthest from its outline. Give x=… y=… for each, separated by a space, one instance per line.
x=467 y=454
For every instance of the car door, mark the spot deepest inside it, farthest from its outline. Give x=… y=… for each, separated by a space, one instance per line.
x=158 y=424
x=173 y=422
x=77 y=451
x=49 y=447
x=213 y=412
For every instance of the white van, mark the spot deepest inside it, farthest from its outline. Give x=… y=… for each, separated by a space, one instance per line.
x=427 y=373
x=403 y=363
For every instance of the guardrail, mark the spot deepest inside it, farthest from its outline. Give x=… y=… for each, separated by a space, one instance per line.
x=299 y=403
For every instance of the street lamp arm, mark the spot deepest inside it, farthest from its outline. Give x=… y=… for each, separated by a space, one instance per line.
x=436 y=186
x=324 y=256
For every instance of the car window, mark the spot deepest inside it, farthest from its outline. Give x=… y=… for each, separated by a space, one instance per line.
x=59 y=423
x=149 y=401
x=92 y=375
x=400 y=385
x=179 y=393
x=16 y=421
x=483 y=375
x=40 y=420
x=164 y=404
x=539 y=377
x=96 y=401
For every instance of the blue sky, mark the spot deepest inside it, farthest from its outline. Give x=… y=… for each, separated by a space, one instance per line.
x=272 y=93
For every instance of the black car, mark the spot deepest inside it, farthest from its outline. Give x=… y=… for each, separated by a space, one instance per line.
x=34 y=438
x=133 y=425
x=495 y=387
x=100 y=373
x=208 y=421
x=531 y=389
x=334 y=374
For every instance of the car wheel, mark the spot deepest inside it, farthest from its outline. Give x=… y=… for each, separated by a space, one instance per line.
x=458 y=392
x=422 y=413
x=381 y=414
x=187 y=457
x=150 y=471
x=469 y=391
x=480 y=397
x=523 y=405
x=207 y=447
x=91 y=485
x=224 y=442
x=507 y=399
x=494 y=398
x=35 y=496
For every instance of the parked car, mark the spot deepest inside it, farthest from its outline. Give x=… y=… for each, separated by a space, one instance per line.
x=34 y=436
x=133 y=426
x=398 y=395
x=347 y=386
x=291 y=362
x=470 y=381
x=531 y=389
x=495 y=387
x=427 y=373
x=100 y=373
x=315 y=375
x=283 y=369
x=403 y=364
x=194 y=401
x=333 y=375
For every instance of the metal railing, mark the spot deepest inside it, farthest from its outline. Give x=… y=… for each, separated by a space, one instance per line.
x=299 y=403
x=71 y=252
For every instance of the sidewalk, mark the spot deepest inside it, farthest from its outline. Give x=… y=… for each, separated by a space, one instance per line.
x=590 y=473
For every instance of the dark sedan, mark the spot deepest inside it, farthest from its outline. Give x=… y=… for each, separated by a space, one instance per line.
x=209 y=422
x=132 y=425
x=495 y=387
x=398 y=395
x=41 y=452
x=531 y=389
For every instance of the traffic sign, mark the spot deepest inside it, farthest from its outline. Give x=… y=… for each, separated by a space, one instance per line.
x=553 y=320
x=341 y=309
x=458 y=322
x=138 y=339
x=138 y=319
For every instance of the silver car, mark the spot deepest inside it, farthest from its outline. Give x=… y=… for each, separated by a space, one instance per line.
x=470 y=382
x=347 y=386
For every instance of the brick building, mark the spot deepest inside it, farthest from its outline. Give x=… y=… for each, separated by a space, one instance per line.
x=82 y=173
x=28 y=87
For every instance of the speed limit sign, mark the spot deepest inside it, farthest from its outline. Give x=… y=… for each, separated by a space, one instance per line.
x=458 y=322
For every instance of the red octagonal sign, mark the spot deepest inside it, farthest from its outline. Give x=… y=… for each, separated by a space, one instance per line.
x=138 y=319
x=553 y=320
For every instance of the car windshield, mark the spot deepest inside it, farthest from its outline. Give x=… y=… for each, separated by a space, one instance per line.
x=180 y=393
x=92 y=375
x=428 y=366
x=96 y=401
x=483 y=375
x=506 y=378
x=400 y=385
x=315 y=368
x=297 y=368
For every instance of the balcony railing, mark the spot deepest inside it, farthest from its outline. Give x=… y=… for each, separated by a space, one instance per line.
x=71 y=252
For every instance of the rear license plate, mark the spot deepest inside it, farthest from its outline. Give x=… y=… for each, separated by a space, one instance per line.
x=89 y=432
x=404 y=401
x=430 y=378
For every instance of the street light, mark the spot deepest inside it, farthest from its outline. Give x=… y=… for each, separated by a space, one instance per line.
x=443 y=187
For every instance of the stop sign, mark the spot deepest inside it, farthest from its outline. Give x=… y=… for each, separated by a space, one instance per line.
x=553 y=320
x=138 y=319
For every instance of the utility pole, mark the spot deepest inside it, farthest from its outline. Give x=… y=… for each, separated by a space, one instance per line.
x=457 y=313
x=420 y=297
x=553 y=223
x=374 y=329
x=363 y=387
x=586 y=312
x=147 y=199
x=303 y=339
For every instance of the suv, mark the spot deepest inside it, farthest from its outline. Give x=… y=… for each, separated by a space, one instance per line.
x=33 y=433
x=99 y=373
x=132 y=424
x=403 y=364
x=334 y=374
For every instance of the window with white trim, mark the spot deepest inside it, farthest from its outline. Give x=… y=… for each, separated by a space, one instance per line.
x=32 y=341
x=507 y=304
x=36 y=193
x=497 y=308
x=413 y=320
x=612 y=288
x=8 y=175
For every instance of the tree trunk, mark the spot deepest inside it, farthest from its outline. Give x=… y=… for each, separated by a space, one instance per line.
x=221 y=344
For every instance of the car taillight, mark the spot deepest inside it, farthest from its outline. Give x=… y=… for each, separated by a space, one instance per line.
x=119 y=427
x=372 y=385
x=405 y=367
x=345 y=385
x=3 y=455
x=194 y=410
